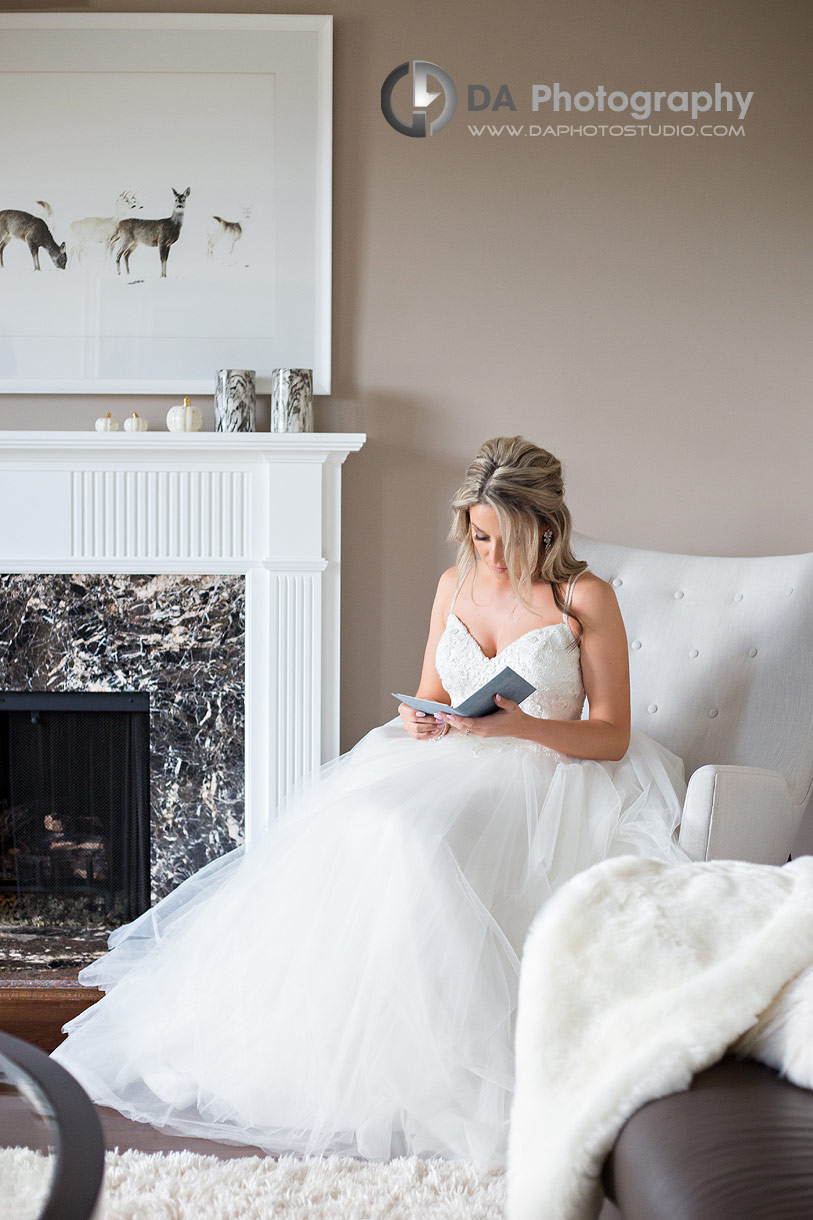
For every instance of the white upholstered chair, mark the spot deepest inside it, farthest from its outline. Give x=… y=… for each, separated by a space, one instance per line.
x=721 y=672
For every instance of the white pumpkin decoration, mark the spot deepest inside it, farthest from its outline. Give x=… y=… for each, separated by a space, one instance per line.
x=184 y=419
x=107 y=424
x=135 y=423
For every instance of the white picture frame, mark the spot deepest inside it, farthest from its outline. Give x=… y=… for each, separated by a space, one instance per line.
x=115 y=115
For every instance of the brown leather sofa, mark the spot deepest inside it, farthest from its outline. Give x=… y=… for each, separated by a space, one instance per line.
x=737 y=1145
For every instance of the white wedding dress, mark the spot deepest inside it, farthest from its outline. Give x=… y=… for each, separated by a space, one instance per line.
x=350 y=983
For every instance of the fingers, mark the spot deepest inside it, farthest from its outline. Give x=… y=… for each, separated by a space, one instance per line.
x=426 y=726
x=419 y=725
x=462 y=723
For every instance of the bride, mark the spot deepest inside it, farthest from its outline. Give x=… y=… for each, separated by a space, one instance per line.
x=349 y=984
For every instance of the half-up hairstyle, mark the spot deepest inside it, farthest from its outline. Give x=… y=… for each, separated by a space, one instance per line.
x=523 y=485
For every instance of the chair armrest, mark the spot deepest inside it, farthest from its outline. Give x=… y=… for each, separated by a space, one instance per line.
x=738 y=813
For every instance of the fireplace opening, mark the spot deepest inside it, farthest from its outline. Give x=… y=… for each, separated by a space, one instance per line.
x=74 y=807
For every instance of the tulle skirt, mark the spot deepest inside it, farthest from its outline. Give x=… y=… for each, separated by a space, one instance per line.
x=349 y=984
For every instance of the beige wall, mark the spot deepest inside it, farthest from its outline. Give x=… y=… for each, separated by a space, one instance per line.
x=639 y=306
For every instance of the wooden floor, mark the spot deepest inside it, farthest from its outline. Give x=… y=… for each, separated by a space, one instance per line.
x=120 y=1135
x=19 y=1125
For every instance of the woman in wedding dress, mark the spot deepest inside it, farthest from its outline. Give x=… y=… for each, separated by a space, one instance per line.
x=350 y=983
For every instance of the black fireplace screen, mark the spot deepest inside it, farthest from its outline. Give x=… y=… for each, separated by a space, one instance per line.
x=75 y=804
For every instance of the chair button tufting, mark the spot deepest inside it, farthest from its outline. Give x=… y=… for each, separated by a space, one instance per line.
x=737 y=597
x=678 y=594
x=653 y=707
x=712 y=712
x=617 y=582
x=636 y=644
x=752 y=652
x=693 y=653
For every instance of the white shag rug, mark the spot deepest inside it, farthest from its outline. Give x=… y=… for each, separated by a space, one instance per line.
x=183 y=1186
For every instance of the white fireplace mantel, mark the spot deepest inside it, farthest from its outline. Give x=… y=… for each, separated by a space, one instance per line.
x=262 y=504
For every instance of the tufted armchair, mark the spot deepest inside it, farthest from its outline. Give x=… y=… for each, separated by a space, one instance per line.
x=721 y=672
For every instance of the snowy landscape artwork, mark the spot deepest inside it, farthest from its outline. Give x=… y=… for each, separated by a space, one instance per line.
x=147 y=215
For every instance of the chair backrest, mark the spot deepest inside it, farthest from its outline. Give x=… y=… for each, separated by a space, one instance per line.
x=721 y=655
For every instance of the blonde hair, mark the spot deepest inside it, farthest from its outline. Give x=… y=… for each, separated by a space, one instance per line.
x=523 y=485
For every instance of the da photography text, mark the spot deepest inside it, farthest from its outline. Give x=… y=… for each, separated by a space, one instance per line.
x=431 y=83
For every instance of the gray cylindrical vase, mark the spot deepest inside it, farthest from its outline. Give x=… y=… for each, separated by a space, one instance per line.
x=235 y=401
x=292 y=400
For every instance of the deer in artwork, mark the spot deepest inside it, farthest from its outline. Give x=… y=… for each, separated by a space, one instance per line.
x=161 y=233
x=232 y=230
x=100 y=230
x=35 y=233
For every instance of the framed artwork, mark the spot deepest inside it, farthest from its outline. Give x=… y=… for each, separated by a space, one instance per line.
x=165 y=204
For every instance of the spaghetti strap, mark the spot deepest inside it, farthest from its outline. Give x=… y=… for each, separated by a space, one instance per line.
x=568 y=593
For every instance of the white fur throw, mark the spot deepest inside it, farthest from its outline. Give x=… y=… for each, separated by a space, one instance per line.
x=636 y=975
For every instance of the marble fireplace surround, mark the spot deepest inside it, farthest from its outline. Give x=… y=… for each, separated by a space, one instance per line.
x=261 y=505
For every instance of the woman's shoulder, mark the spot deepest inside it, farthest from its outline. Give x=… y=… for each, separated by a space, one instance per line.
x=447 y=587
x=592 y=598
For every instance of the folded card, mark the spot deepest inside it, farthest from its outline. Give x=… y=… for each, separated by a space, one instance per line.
x=507 y=683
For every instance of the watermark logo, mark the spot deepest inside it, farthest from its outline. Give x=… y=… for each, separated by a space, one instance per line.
x=422 y=98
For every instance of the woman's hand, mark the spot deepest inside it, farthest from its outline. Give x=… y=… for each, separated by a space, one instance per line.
x=509 y=721
x=418 y=724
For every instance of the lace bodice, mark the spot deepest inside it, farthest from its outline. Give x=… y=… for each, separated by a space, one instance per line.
x=546 y=656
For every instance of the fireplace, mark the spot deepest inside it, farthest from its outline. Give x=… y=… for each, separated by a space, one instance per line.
x=74 y=807
x=204 y=570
